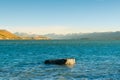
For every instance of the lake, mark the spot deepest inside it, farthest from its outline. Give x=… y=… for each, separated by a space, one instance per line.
x=24 y=60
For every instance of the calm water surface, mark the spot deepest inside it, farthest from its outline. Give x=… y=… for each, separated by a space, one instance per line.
x=95 y=60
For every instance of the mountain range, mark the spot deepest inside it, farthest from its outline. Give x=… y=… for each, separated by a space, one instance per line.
x=81 y=36
x=6 y=35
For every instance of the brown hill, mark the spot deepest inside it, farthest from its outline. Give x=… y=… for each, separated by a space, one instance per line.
x=6 y=35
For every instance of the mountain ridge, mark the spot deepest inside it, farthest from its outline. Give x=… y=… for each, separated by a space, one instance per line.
x=81 y=36
x=7 y=35
x=88 y=36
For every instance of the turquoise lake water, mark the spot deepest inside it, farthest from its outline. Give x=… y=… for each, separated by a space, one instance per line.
x=24 y=60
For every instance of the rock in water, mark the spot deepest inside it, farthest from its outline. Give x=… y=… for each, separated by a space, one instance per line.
x=69 y=61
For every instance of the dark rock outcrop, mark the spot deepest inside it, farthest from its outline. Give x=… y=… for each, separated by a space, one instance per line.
x=69 y=61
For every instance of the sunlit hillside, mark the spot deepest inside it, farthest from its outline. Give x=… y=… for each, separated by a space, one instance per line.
x=6 y=35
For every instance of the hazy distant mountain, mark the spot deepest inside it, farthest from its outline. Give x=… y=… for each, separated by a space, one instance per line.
x=61 y=36
x=25 y=34
x=81 y=36
x=31 y=36
x=88 y=36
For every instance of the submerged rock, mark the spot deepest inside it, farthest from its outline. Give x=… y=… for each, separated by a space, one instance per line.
x=69 y=61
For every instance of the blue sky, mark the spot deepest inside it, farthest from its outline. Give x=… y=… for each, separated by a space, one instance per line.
x=60 y=16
